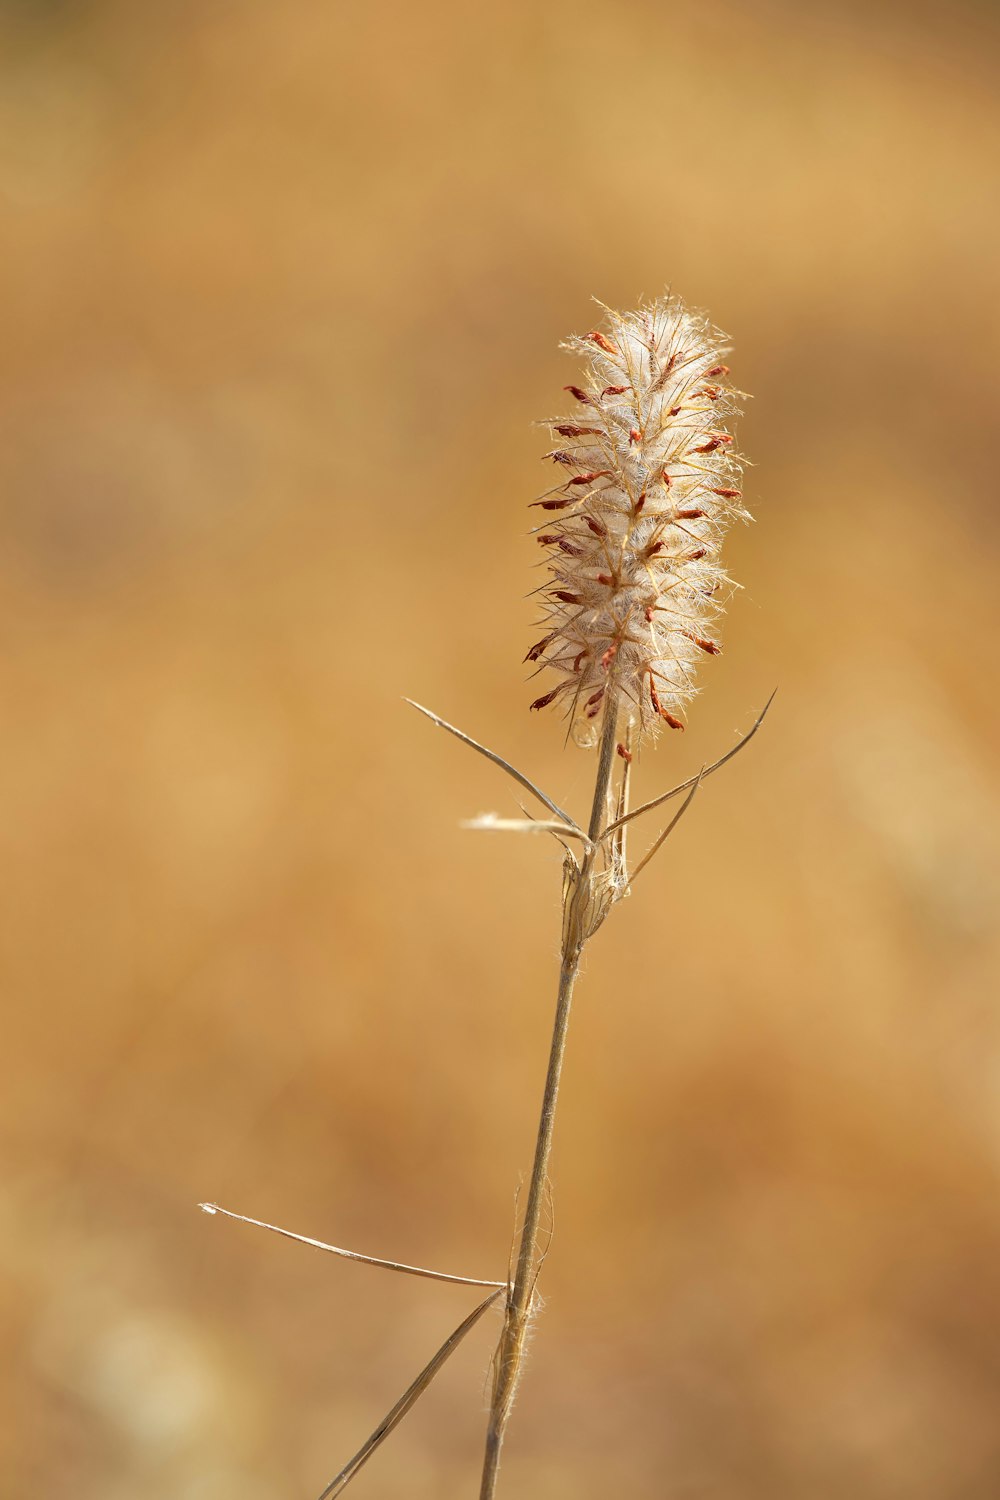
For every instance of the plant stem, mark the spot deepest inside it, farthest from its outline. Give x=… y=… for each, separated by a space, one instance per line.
x=579 y=907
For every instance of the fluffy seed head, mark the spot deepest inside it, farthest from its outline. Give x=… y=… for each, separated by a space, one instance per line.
x=648 y=481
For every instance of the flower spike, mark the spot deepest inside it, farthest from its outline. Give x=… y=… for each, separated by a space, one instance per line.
x=637 y=582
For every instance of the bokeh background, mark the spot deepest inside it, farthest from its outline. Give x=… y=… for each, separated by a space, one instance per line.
x=282 y=292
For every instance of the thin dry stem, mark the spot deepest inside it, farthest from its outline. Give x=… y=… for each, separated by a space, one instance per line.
x=662 y=838
x=368 y=1260
x=497 y=760
x=492 y=823
x=703 y=774
x=582 y=904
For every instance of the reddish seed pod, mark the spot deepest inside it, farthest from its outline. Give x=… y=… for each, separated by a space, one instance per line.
x=635 y=436
x=713 y=392
x=578 y=658
x=674 y=410
x=595 y=698
x=696 y=556
x=570 y=429
x=654 y=548
x=575 y=390
x=596 y=527
x=545 y=699
x=614 y=390
x=637 y=507
x=654 y=699
x=667 y=481
x=709 y=447
x=718 y=370
x=606 y=579
x=552 y=504
x=565 y=597
x=649 y=614
x=560 y=456
x=589 y=478
x=712 y=647
x=729 y=494
x=571 y=549
x=626 y=755
x=609 y=656
x=602 y=342
x=540 y=646
x=689 y=515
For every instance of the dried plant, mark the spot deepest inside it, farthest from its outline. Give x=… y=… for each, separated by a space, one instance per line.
x=633 y=535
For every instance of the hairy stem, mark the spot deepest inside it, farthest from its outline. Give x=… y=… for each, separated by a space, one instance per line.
x=579 y=908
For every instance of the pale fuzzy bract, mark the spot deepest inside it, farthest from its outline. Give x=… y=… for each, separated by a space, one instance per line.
x=652 y=482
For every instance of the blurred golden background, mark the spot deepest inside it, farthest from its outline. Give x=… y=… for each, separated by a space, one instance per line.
x=282 y=293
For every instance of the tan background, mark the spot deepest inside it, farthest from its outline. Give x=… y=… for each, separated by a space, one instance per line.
x=283 y=288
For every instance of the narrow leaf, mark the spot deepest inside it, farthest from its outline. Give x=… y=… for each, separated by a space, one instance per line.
x=410 y=1396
